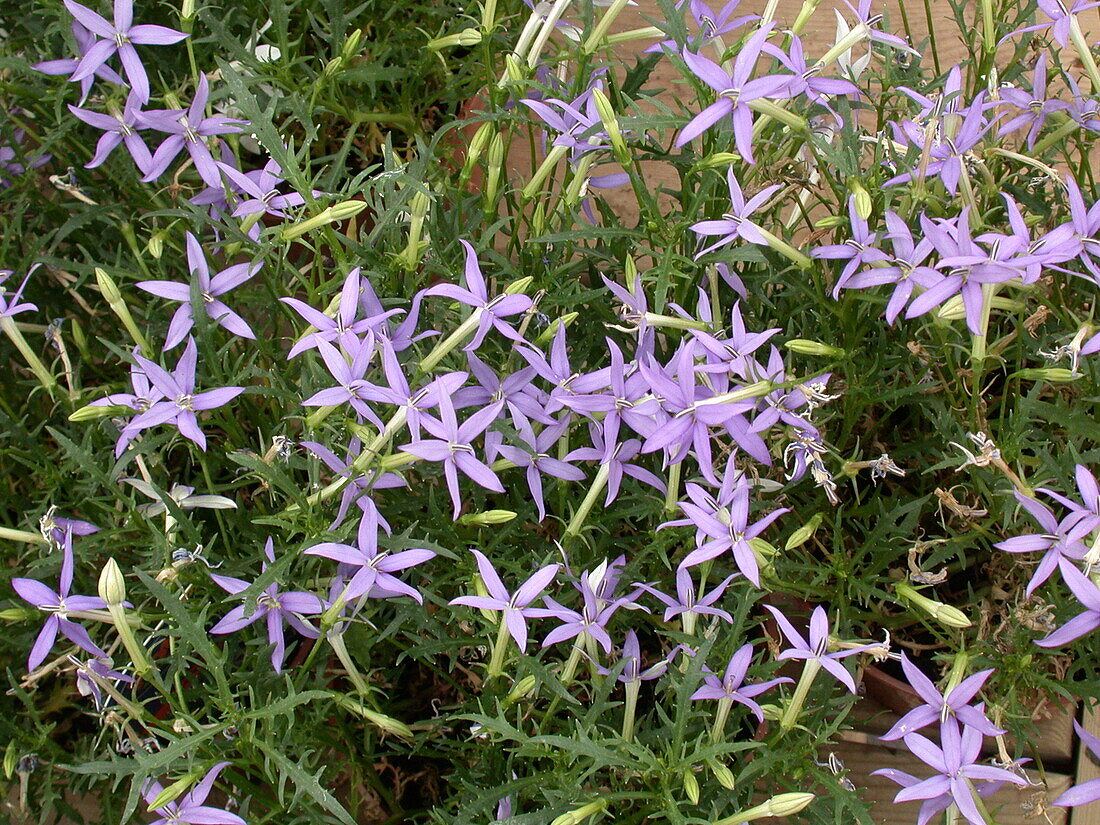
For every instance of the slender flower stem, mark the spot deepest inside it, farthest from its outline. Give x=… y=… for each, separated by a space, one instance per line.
x=598 y=483
x=138 y=656
x=341 y=650
x=798 y=698
x=717 y=730
x=1065 y=130
x=461 y=332
x=9 y=534
x=570 y=669
x=673 y=491
x=1085 y=53
x=44 y=376
x=553 y=157
x=548 y=24
x=500 y=647
x=785 y=249
x=629 y=709
x=598 y=33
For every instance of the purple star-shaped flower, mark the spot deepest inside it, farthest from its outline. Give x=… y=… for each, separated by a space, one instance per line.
x=735 y=223
x=374 y=568
x=955 y=765
x=119 y=37
x=351 y=384
x=10 y=303
x=735 y=92
x=118 y=128
x=731 y=686
x=941 y=708
x=490 y=313
x=187 y=129
x=1059 y=539
x=817 y=648
x=274 y=607
x=181 y=401
x=210 y=291
x=1034 y=105
x=452 y=447
x=190 y=810
x=58 y=604
x=84 y=41
x=343 y=329
x=514 y=606
x=538 y=461
x=687 y=602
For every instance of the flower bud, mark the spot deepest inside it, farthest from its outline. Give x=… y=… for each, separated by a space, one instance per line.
x=1054 y=375
x=691 y=787
x=332 y=68
x=474 y=149
x=611 y=126
x=16 y=614
x=107 y=286
x=10 y=758
x=829 y=222
x=466 y=37
x=91 y=412
x=862 y=198
x=520 y=690
x=580 y=814
x=494 y=170
x=351 y=45
x=716 y=160
x=805 y=532
x=333 y=214
x=784 y=804
x=112 y=586
x=173 y=791
x=487 y=518
x=155 y=246
x=187 y=12
x=804 y=346
x=518 y=287
x=547 y=335
x=945 y=614
x=723 y=774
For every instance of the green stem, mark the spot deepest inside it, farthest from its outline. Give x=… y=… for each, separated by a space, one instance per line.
x=496 y=661
x=798 y=698
x=341 y=650
x=717 y=730
x=598 y=483
x=630 y=708
x=44 y=376
x=673 y=491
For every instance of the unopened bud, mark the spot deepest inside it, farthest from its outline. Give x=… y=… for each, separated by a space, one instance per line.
x=581 y=814
x=518 y=287
x=805 y=532
x=611 y=125
x=173 y=791
x=829 y=222
x=107 y=286
x=475 y=148
x=333 y=214
x=487 y=518
x=1053 y=375
x=11 y=756
x=547 y=335
x=784 y=804
x=717 y=160
x=723 y=774
x=387 y=724
x=16 y=614
x=155 y=246
x=91 y=412
x=945 y=614
x=112 y=586
x=691 y=787
x=804 y=346
x=520 y=690
x=494 y=170
x=187 y=11
x=466 y=37
x=351 y=45
x=862 y=198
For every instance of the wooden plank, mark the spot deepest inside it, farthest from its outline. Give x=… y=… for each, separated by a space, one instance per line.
x=1087 y=768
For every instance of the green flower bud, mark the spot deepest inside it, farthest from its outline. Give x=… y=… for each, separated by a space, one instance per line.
x=91 y=412
x=547 y=335
x=805 y=532
x=1053 y=375
x=112 y=586
x=804 y=346
x=691 y=787
x=520 y=690
x=784 y=804
x=333 y=214
x=173 y=791
x=17 y=614
x=863 y=198
x=351 y=45
x=466 y=37
x=580 y=814
x=945 y=614
x=518 y=287
x=487 y=518
x=723 y=774
x=829 y=222
x=611 y=126
x=716 y=160
x=10 y=758
x=107 y=286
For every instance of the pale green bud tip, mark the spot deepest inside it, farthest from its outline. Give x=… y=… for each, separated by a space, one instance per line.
x=187 y=10
x=172 y=792
x=863 y=199
x=351 y=45
x=724 y=776
x=788 y=804
x=466 y=37
x=1055 y=375
x=93 y=411
x=521 y=689
x=718 y=159
x=16 y=614
x=691 y=787
x=112 y=586
x=107 y=286
x=804 y=346
x=487 y=518
x=516 y=287
x=155 y=247
x=804 y=533
x=580 y=814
